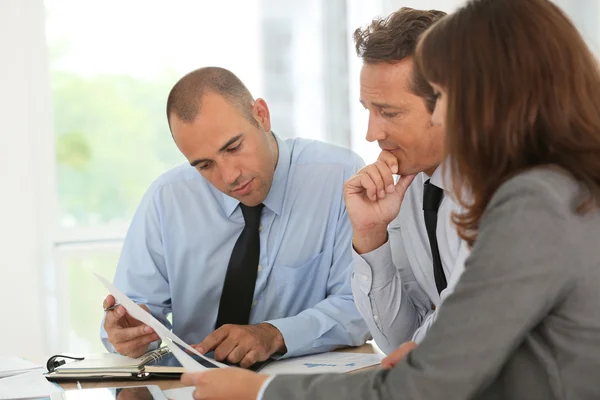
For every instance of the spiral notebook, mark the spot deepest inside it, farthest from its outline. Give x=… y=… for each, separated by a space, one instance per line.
x=160 y=363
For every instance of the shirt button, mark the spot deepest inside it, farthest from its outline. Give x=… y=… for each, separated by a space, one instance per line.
x=375 y=318
x=260 y=228
x=254 y=303
x=259 y=268
x=364 y=278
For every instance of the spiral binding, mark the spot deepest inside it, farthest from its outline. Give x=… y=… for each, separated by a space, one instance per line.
x=154 y=355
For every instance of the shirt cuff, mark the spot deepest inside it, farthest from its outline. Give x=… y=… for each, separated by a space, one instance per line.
x=293 y=336
x=263 y=388
x=374 y=269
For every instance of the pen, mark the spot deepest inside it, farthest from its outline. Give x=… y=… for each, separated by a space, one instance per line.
x=112 y=307
x=79 y=386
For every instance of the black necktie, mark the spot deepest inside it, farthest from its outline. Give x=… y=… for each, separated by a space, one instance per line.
x=238 y=289
x=432 y=197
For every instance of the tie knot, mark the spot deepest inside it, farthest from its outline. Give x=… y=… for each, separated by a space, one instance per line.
x=432 y=197
x=251 y=214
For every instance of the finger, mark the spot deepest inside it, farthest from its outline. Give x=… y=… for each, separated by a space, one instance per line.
x=225 y=348
x=398 y=354
x=120 y=310
x=388 y=362
x=132 y=346
x=109 y=301
x=214 y=339
x=375 y=175
x=353 y=185
x=403 y=184
x=390 y=160
x=191 y=378
x=386 y=175
x=137 y=346
x=392 y=360
x=121 y=335
x=238 y=353
x=198 y=394
x=249 y=359
x=369 y=186
x=113 y=318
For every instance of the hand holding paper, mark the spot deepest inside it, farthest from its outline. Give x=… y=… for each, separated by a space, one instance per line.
x=168 y=337
x=129 y=336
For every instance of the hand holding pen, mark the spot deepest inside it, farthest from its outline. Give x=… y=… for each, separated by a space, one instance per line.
x=128 y=336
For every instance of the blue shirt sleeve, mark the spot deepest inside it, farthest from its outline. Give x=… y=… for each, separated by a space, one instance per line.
x=141 y=272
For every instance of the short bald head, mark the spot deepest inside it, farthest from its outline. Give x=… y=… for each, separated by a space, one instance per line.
x=224 y=133
x=185 y=98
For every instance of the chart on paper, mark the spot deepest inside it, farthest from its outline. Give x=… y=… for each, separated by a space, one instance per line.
x=331 y=362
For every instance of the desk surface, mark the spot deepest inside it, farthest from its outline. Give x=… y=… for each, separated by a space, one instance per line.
x=176 y=383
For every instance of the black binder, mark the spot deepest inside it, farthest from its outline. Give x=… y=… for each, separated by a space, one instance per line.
x=157 y=364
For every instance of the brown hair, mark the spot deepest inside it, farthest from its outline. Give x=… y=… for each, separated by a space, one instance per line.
x=186 y=96
x=395 y=38
x=523 y=91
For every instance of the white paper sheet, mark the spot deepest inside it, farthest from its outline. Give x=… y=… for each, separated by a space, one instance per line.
x=331 y=362
x=168 y=337
x=30 y=385
x=15 y=365
x=184 y=393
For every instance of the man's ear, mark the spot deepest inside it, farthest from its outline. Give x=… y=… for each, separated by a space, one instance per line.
x=260 y=112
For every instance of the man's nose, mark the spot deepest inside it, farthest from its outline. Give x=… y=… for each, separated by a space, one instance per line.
x=230 y=174
x=374 y=130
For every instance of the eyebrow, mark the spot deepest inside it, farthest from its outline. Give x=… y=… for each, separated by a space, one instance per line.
x=222 y=149
x=381 y=105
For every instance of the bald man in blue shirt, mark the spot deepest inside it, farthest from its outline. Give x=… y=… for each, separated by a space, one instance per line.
x=248 y=245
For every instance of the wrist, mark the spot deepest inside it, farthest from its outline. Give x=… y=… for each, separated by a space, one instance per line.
x=369 y=240
x=278 y=341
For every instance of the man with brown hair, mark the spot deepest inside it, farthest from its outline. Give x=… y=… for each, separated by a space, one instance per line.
x=407 y=254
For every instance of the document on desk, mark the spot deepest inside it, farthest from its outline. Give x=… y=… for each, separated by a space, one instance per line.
x=330 y=362
x=15 y=365
x=30 y=385
x=184 y=393
x=168 y=337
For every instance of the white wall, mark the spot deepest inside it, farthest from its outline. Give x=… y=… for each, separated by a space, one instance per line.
x=26 y=149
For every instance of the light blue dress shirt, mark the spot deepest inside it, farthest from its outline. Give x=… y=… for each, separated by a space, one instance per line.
x=178 y=246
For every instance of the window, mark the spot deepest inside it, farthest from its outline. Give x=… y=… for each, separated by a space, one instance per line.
x=80 y=295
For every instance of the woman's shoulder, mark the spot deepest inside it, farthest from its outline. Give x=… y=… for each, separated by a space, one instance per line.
x=550 y=185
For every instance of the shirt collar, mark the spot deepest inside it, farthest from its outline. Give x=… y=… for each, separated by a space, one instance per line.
x=437 y=178
x=442 y=176
x=274 y=200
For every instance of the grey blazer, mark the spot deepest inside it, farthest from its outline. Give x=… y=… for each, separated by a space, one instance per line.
x=523 y=321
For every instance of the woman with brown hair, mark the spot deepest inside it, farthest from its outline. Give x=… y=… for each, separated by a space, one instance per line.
x=519 y=97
